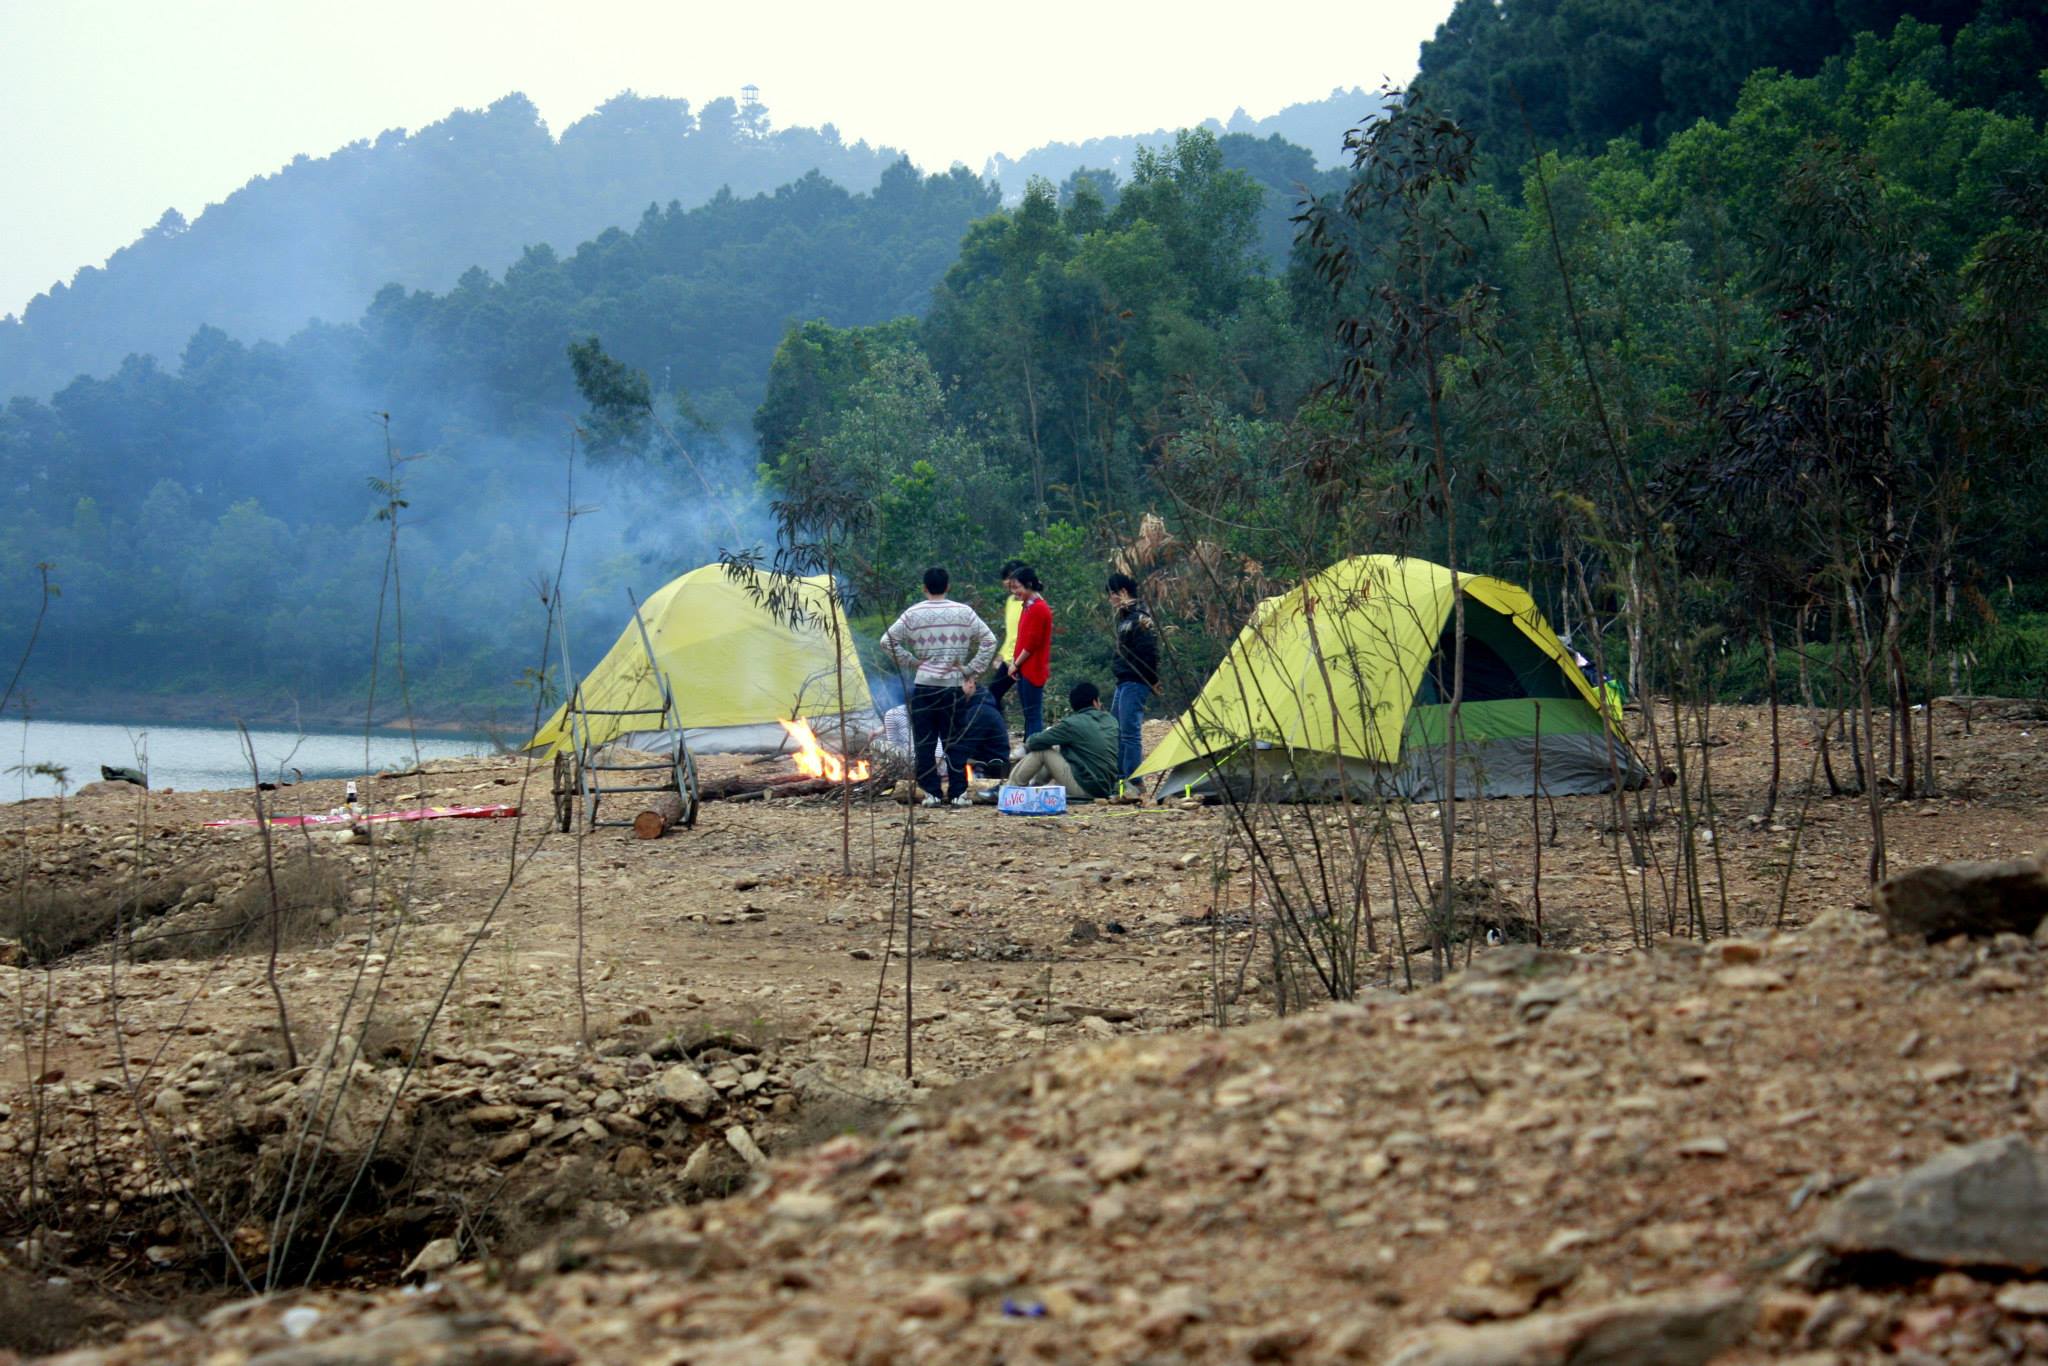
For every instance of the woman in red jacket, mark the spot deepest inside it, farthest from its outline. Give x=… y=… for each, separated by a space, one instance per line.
x=1033 y=664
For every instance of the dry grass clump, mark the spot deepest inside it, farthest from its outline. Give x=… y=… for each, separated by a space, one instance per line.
x=311 y=894
x=37 y=1317
x=52 y=921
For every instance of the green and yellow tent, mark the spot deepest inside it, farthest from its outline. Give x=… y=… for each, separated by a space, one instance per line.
x=735 y=670
x=1346 y=681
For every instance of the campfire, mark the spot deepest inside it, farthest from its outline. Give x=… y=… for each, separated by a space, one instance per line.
x=815 y=760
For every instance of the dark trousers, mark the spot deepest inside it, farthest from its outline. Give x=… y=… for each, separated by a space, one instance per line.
x=999 y=686
x=1031 y=697
x=935 y=716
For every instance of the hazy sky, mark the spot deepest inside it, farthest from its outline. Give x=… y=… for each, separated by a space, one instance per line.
x=113 y=110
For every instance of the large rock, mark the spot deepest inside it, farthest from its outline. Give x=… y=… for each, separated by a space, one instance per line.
x=684 y=1087
x=1976 y=898
x=1680 y=1328
x=828 y=1081
x=352 y=1103
x=1982 y=1205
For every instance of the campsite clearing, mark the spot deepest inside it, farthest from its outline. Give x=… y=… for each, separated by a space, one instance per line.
x=735 y=953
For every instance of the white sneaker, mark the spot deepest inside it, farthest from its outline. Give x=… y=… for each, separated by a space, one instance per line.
x=930 y=800
x=963 y=800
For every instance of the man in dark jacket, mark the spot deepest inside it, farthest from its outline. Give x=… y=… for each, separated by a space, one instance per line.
x=1135 y=666
x=983 y=741
x=1079 y=753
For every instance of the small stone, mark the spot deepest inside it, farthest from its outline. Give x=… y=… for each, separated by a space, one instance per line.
x=1708 y=1145
x=1751 y=979
x=1954 y=1285
x=1478 y=1303
x=1116 y=1163
x=510 y=1148
x=438 y=1255
x=1734 y=951
x=1783 y=1313
x=939 y=1298
x=1171 y=1310
x=632 y=1160
x=492 y=1116
x=1670 y=1240
x=804 y=1207
x=1679 y=1328
x=698 y=1165
x=743 y=1143
x=2027 y=1298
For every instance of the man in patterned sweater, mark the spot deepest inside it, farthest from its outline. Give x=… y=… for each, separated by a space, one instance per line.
x=950 y=646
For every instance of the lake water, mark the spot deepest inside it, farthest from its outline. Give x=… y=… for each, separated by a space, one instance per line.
x=196 y=758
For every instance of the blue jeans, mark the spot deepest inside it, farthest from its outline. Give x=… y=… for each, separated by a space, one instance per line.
x=1128 y=705
x=1031 y=697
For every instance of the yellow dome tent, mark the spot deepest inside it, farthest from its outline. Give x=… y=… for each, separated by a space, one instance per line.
x=735 y=670
x=1346 y=680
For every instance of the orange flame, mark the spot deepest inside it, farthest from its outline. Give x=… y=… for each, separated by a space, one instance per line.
x=819 y=762
x=970 y=775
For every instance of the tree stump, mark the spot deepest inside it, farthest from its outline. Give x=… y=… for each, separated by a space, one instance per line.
x=665 y=809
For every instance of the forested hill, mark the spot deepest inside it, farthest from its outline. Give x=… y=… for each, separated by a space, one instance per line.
x=1574 y=75
x=319 y=237
x=210 y=523
x=1817 y=319
x=1773 y=382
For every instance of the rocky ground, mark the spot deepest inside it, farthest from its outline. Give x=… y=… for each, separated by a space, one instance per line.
x=1555 y=1142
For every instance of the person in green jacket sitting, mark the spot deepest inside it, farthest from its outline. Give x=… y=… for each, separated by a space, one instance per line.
x=1079 y=753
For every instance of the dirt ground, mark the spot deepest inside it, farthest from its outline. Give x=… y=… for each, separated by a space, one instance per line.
x=739 y=951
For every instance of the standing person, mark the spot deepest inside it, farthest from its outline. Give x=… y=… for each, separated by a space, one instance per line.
x=1006 y=674
x=950 y=646
x=1033 y=665
x=1079 y=753
x=1135 y=666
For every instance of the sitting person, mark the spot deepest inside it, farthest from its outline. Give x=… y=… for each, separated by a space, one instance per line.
x=983 y=741
x=1079 y=753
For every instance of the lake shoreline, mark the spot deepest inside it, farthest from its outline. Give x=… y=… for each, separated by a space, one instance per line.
x=55 y=754
x=207 y=710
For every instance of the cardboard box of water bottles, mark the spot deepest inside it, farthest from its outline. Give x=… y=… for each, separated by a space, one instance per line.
x=1048 y=800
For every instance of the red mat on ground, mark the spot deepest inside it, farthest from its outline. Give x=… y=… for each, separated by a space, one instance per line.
x=417 y=813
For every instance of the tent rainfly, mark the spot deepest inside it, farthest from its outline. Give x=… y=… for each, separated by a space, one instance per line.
x=1346 y=681
x=734 y=668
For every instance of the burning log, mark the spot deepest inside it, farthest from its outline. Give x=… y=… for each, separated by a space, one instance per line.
x=723 y=789
x=814 y=760
x=799 y=786
x=664 y=811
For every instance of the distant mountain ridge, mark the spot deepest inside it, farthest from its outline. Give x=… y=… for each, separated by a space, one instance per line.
x=319 y=237
x=1317 y=125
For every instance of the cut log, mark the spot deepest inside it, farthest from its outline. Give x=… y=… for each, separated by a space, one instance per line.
x=663 y=811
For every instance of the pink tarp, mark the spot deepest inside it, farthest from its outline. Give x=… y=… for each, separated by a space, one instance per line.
x=418 y=813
